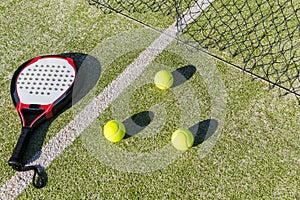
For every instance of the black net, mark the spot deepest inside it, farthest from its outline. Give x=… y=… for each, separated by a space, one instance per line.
x=260 y=37
x=140 y=6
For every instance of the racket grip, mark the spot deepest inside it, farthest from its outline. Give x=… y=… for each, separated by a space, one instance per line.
x=16 y=159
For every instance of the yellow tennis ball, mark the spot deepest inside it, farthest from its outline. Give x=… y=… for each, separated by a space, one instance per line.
x=163 y=79
x=182 y=139
x=114 y=131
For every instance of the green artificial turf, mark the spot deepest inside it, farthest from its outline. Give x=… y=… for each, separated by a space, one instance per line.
x=44 y=28
x=256 y=157
x=253 y=155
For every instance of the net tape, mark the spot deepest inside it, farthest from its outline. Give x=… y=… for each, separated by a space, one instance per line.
x=259 y=36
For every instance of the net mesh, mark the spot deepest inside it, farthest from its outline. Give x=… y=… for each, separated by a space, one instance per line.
x=260 y=37
x=130 y=6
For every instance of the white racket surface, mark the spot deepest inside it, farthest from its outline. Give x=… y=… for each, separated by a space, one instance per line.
x=44 y=81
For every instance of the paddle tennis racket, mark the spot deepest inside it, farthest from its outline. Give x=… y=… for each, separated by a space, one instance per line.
x=40 y=88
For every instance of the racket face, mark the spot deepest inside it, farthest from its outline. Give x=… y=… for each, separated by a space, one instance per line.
x=45 y=80
x=40 y=85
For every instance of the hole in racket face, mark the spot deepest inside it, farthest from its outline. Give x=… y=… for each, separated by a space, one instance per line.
x=42 y=81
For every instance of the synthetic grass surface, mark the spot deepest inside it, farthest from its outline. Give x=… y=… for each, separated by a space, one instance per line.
x=43 y=28
x=257 y=156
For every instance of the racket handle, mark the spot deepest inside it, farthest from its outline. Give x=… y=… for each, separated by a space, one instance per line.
x=16 y=159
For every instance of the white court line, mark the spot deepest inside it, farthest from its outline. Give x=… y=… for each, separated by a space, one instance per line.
x=14 y=186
